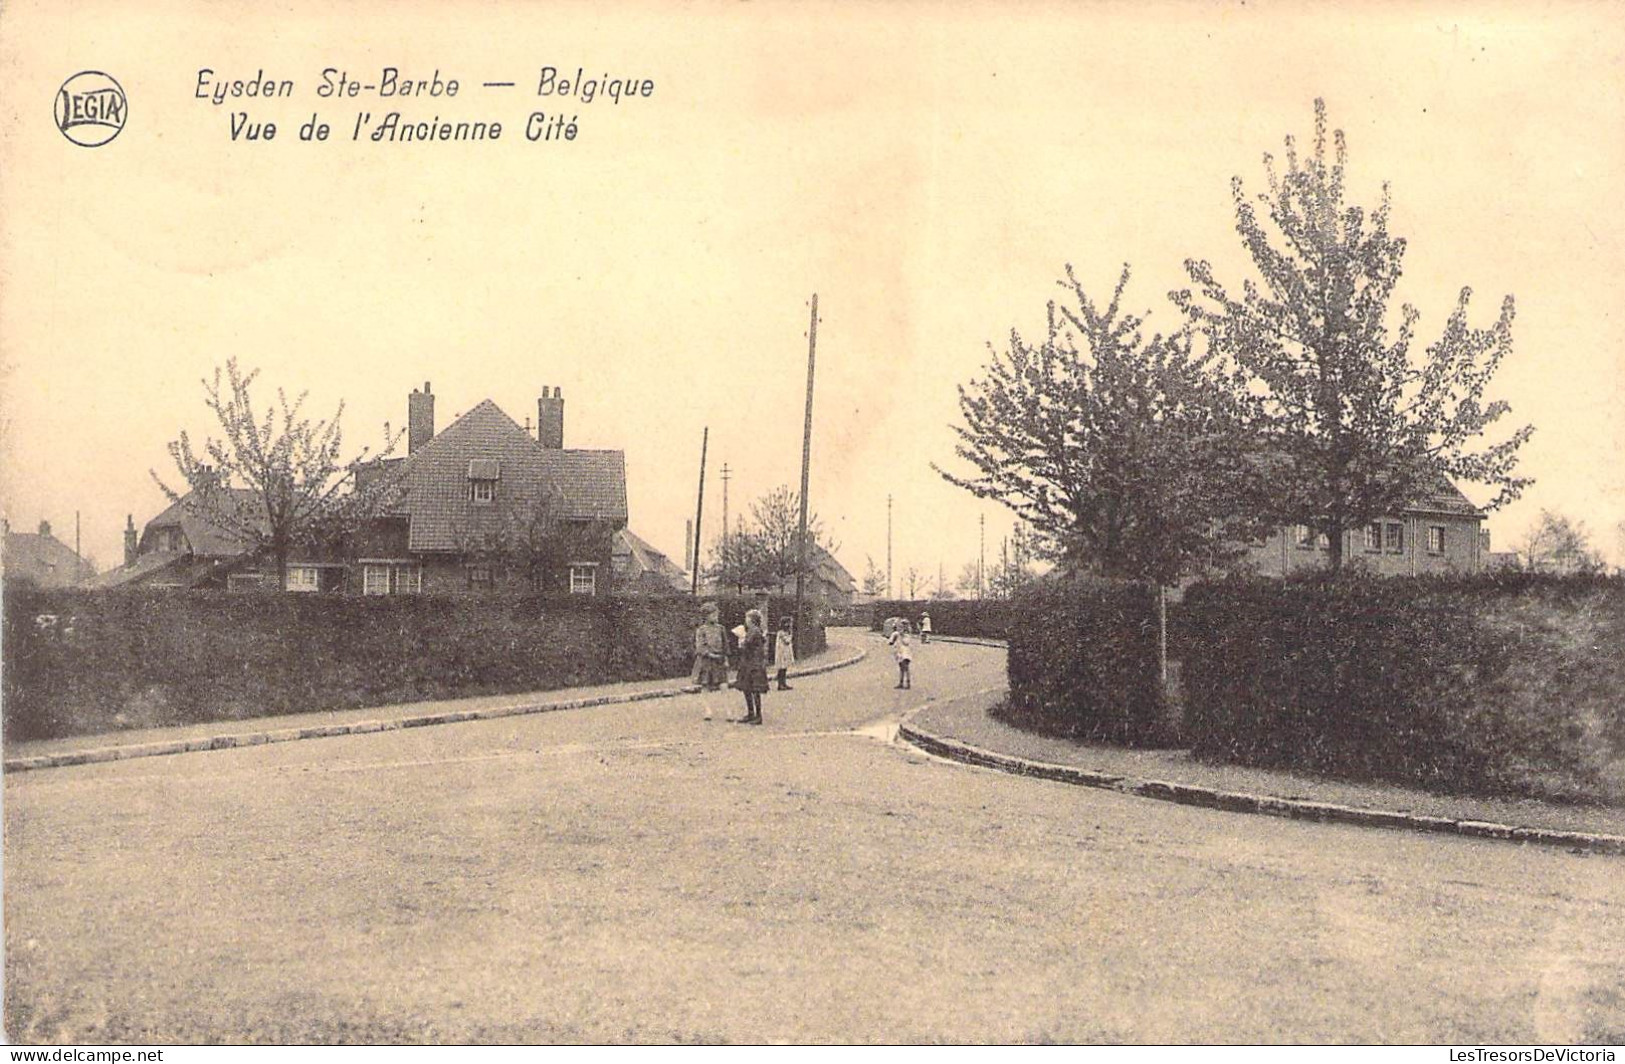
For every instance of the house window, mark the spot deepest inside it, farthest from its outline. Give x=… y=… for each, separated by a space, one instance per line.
x=384 y=578
x=1373 y=537
x=584 y=578
x=375 y=580
x=1303 y=536
x=479 y=576
x=1393 y=537
x=303 y=578
x=483 y=474
x=1435 y=539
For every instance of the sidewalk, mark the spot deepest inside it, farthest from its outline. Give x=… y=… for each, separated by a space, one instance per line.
x=226 y=734
x=963 y=730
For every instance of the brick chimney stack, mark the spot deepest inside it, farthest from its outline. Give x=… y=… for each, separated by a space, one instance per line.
x=45 y=528
x=550 y=419
x=131 y=540
x=419 y=418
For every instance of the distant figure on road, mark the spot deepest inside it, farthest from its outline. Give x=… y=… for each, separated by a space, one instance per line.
x=784 y=652
x=710 y=653
x=925 y=628
x=905 y=656
x=752 y=667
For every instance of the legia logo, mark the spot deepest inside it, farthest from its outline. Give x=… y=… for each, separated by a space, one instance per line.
x=90 y=108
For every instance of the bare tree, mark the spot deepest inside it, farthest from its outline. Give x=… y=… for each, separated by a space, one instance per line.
x=913 y=582
x=874 y=580
x=295 y=489
x=1557 y=544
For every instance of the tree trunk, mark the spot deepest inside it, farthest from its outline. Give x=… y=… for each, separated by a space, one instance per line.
x=1334 y=536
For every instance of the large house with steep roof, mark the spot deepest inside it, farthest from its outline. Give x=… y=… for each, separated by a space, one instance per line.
x=481 y=505
x=39 y=558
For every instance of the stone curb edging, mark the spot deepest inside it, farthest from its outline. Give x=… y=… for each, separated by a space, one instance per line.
x=96 y=755
x=1266 y=805
x=967 y=640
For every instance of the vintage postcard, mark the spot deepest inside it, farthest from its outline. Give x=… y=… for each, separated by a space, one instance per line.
x=819 y=522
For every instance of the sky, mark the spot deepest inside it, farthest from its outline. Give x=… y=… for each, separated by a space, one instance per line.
x=928 y=170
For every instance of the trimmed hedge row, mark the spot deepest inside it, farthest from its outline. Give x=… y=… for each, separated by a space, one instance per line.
x=1499 y=684
x=971 y=618
x=82 y=662
x=1085 y=664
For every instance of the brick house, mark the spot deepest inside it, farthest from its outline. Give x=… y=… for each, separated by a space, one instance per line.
x=488 y=506
x=1440 y=533
x=483 y=505
x=41 y=559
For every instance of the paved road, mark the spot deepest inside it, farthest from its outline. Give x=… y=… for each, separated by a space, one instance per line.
x=635 y=874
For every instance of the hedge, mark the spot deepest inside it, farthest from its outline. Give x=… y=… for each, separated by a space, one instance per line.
x=971 y=618
x=811 y=635
x=80 y=662
x=1084 y=662
x=1496 y=684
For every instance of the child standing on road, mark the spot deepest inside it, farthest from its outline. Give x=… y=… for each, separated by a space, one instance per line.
x=784 y=652
x=710 y=655
x=753 y=667
x=925 y=628
x=905 y=655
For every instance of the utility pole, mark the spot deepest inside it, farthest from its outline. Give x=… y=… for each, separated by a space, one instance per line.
x=806 y=461
x=981 y=551
x=888 y=546
x=699 y=512
x=727 y=475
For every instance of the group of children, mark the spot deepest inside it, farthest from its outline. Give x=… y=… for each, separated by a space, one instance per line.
x=751 y=660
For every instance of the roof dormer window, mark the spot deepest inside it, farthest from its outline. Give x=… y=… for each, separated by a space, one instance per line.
x=483 y=474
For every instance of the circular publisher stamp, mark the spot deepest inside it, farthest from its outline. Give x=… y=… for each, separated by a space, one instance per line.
x=90 y=108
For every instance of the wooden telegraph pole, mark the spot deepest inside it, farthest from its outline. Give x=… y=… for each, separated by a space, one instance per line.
x=699 y=511
x=806 y=464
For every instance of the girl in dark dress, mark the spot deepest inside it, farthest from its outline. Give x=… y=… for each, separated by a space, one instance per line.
x=753 y=667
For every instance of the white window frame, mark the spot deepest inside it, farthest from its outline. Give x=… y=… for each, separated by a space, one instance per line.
x=1303 y=537
x=590 y=585
x=482 y=491
x=1373 y=537
x=303 y=578
x=1435 y=532
x=375 y=579
x=1393 y=537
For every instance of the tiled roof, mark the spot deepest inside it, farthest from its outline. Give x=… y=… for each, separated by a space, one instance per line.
x=591 y=484
x=144 y=565
x=206 y=539
x=44 y=558
x=832 y=571
x=1445 y=498
x=639 y=558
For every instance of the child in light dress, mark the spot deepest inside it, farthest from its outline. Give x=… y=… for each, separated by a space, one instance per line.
x=900 y=641
x=784 y=651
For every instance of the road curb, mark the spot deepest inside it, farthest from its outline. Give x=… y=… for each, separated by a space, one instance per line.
x=1261 y=804
x=99 y=754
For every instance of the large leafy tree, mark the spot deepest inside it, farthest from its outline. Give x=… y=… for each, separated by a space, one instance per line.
x=1353 y=421
x=275 y=477
x=1122 y=451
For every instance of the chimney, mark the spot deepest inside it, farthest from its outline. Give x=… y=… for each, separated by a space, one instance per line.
x=550 y=419
x=419 y=418
x=130 y=538
x=45 y=528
